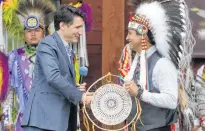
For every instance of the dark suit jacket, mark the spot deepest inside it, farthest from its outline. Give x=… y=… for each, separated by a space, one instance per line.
x=54 y=96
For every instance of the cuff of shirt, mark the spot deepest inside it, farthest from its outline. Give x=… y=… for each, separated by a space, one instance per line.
x=145 y=96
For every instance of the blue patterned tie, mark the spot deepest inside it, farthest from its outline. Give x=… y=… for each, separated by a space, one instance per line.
x=70 y=54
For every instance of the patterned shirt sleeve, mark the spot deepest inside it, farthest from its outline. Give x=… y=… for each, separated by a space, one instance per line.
x=8 y=104
x=7 y=107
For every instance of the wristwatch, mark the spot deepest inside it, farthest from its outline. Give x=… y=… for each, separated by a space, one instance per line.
x=140 y=91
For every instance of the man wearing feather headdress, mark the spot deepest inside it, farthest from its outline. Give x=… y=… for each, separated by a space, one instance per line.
x=155 y=64
x=33 y=16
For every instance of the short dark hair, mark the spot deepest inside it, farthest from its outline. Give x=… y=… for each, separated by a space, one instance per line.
x=151 y=37
x=66 y=14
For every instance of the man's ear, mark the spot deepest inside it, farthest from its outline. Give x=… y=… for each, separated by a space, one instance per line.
x=62 y=25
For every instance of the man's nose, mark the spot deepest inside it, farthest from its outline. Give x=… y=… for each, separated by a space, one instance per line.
x=80 y=32
x=127 y=38
x=33 y=32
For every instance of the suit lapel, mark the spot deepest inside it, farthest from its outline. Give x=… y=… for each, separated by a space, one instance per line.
x=63 y=50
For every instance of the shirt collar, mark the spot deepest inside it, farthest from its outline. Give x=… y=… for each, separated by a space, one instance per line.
x=150 y=51
x=64 y=42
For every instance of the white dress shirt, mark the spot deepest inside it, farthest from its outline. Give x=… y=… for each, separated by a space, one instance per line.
x=68 y=49
x=164 y=78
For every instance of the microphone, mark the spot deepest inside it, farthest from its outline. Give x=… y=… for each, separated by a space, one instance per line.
x=83 y=71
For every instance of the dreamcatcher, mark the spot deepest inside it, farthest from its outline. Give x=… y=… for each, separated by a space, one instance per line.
x=111 y=105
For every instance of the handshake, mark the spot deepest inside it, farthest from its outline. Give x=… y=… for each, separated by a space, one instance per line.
x=86 y=97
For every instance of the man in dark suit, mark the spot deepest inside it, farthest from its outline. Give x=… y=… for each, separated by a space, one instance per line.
x=54 y=96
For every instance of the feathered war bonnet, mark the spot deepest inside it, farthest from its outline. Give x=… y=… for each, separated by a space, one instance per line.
x=169 y=23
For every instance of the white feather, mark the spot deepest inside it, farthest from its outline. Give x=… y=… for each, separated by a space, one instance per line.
x=158 y=23
x=84 y=48
x=201 y=34
x=201 y=13
x=181 y=47
x=183 y=14
x=184 y=22
x=182 y=6
x=183 y=35
x=180 y=54
x=182 y=10
x=185 y=27
x=130 y=74
x=143 y=69
x=178 y=60
x=181 y=1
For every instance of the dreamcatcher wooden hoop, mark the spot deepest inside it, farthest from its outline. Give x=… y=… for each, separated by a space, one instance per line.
x=87 y=117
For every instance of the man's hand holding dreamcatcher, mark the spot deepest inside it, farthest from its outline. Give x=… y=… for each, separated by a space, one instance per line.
x=86 y=98
x=133 y=89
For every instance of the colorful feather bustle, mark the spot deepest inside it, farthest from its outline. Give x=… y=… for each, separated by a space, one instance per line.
x=10 y=19
x=4 y=76
x=1 y=26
